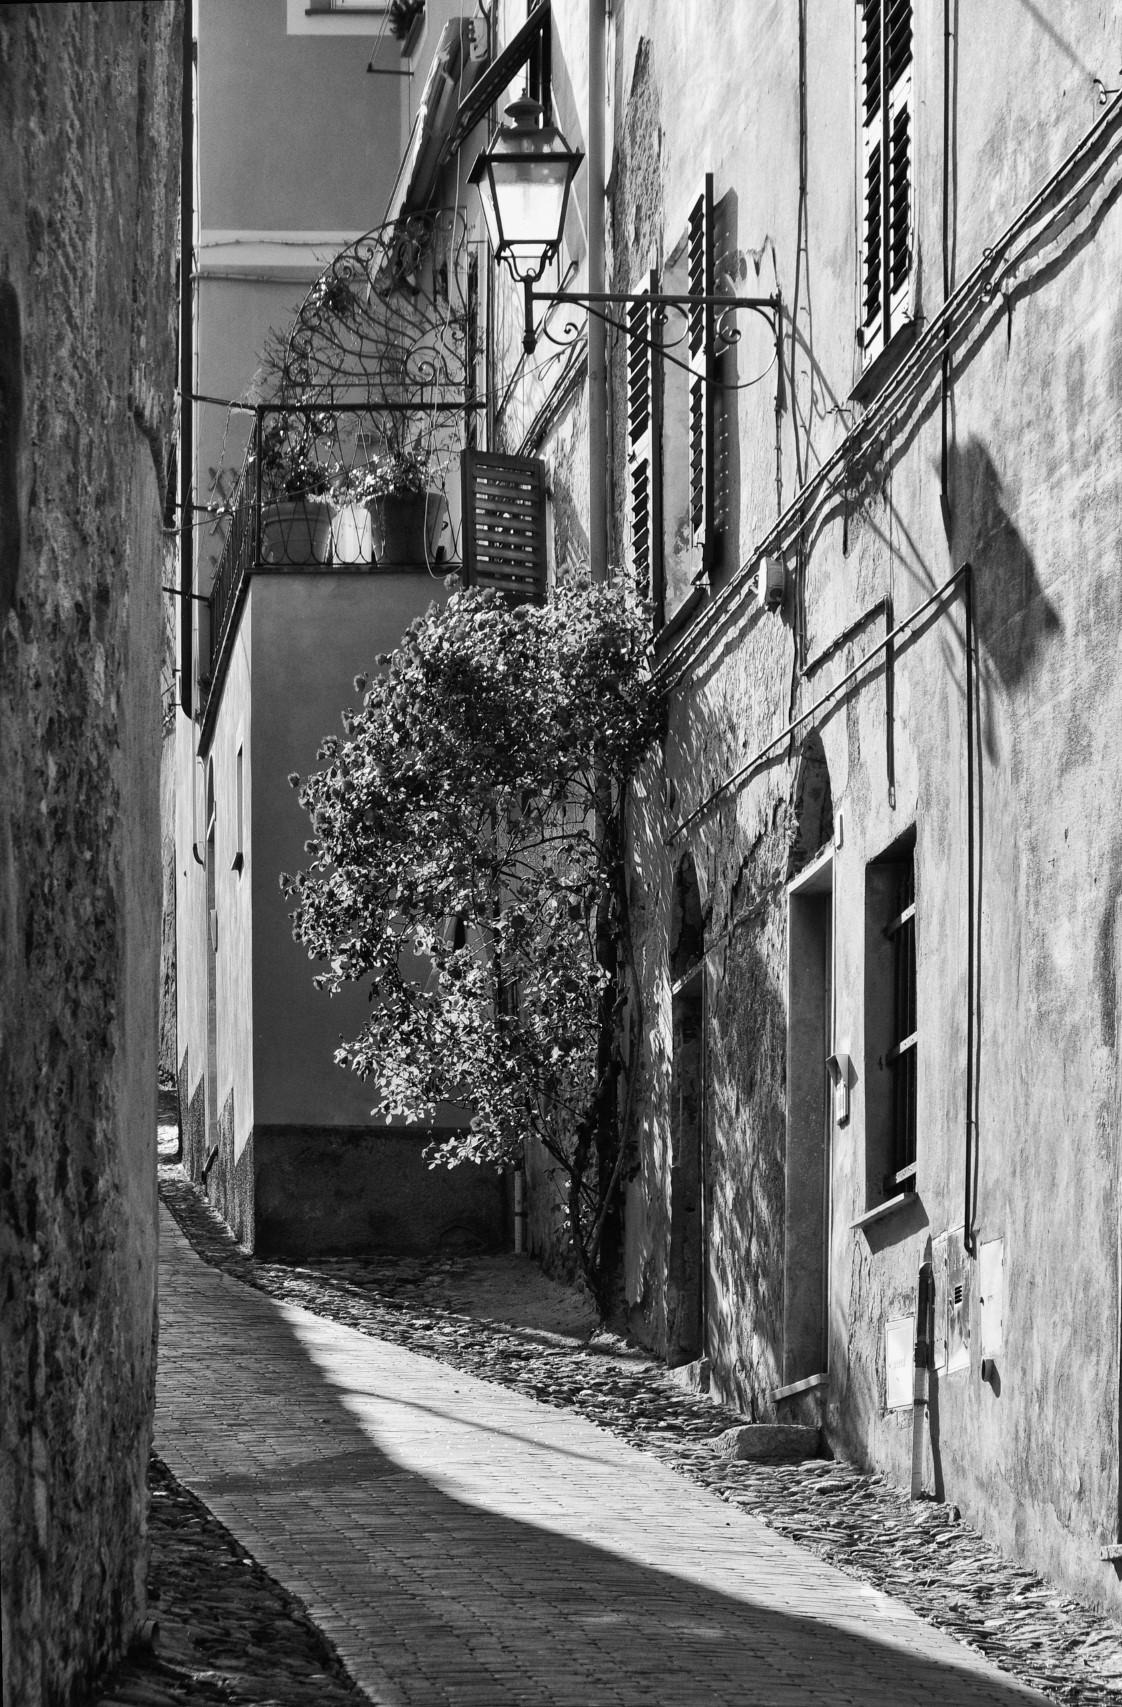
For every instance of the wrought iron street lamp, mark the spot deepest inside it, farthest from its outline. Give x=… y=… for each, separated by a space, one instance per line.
x=523 y=180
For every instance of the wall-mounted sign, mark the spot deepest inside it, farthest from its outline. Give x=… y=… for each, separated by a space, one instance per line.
x=899 y=1363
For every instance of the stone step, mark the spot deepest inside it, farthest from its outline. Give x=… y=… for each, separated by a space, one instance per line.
x=694 y=1377
x=787 y=1442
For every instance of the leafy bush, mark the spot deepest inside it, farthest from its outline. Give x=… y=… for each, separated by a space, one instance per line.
x=390 y=474
x=467 y=860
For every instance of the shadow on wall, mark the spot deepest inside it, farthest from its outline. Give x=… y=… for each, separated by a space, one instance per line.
x=1014 y=617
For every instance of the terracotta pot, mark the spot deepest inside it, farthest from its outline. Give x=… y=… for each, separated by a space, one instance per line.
x=406 y=531
x=296 y=533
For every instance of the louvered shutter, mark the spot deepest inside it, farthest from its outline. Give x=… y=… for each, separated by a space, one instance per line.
x=504 y=524
x=900 y=109
x=699 y=265
x=872 y=182
x=888 y=122
x=643 y=446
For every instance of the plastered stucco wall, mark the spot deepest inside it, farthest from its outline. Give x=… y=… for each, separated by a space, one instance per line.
x=312 y=635
x=89 y=132
x=1033 y=471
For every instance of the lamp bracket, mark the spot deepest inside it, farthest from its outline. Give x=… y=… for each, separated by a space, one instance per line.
x=769 y=307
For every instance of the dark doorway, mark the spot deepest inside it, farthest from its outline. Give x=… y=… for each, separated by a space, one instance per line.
x=686 y=1281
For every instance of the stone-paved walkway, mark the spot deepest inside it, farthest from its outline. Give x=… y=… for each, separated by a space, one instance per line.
x=919 y=1553
x=462 y=1543
x=227 y=1632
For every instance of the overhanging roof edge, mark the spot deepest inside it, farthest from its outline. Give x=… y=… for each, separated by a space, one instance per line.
x=496 y=77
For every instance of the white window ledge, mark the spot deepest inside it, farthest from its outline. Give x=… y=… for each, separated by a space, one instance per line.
x=805 y=1386
x=883 y=1210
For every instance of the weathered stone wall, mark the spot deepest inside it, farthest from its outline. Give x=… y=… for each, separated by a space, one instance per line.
x=89 y=133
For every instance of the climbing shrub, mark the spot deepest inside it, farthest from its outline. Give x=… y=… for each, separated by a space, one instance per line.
x=466 y=862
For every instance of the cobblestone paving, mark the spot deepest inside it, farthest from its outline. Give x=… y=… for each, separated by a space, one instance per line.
x=461 y=1543
x=919 y=1553
x=227 y=1631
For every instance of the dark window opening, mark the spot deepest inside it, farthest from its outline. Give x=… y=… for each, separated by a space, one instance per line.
x=891 y=1023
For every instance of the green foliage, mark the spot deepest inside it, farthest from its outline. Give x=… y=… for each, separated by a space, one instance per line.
x=391 y=474
x=466 y=861
x=291 y=462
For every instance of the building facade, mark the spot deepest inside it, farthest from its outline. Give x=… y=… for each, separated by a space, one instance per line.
x=873 y=868
x=862 y=457
x=303 y=116
x=872 y=885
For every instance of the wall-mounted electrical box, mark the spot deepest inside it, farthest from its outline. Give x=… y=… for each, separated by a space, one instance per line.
x=991 y=1295
x=899 y=1363
x=954 y=1283
x=771 y=582
x=838 y=1068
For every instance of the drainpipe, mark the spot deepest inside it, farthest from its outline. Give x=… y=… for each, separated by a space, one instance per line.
x=971 y=945
x=519 y=1212
x=945 y=364
x=597 y=331
x=186 y=365
x=924 y=1293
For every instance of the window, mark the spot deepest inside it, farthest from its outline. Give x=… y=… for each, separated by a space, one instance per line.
x=334 y=17
x=891 y=1023
x=238 y=861
x=670 y=422
x=888 y=138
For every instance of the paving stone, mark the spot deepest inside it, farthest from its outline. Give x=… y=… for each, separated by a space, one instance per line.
x=228 y=1632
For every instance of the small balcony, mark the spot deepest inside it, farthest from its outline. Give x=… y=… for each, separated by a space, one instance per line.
x=337 y=490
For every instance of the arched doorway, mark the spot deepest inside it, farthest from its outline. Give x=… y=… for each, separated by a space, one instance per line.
x=686 y=1280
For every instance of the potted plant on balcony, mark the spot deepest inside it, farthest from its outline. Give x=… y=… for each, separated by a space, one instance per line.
x=295 y=510
x=407 y=516
x=406 y=20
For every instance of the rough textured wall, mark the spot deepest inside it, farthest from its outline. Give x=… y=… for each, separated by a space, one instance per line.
x=89 y=133
x=1031 y=1452
x=169 y=1054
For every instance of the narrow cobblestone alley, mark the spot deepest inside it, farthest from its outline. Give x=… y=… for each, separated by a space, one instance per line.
x=461 y=1543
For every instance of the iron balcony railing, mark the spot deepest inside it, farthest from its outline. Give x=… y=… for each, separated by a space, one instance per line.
x=239 y=554
x=308 y=498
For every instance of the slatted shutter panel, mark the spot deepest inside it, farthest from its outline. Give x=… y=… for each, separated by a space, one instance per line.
x=643 y=445
x=872 y=183
x=900 y=110
x=700 y=331
x=504 y=524
x=888 y=126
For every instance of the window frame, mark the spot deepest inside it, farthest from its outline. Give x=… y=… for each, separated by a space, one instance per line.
x=891 y=1024
x=886 y=155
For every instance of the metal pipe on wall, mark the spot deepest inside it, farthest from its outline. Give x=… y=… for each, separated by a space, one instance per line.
x=971 y=1134
x=597 y=330
x=186 y=365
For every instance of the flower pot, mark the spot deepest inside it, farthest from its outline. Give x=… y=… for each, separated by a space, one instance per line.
x=406 y=530
x=296 y=533
x=351 y=543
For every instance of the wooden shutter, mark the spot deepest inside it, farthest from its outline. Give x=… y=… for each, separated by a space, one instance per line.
x=504 y=524
x=900 y=118
x=872 y=182
x=888 y=122
x=699 y=266
x=644 y=437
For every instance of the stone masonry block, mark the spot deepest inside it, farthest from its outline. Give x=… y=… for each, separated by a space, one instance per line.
x=754 y=1441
